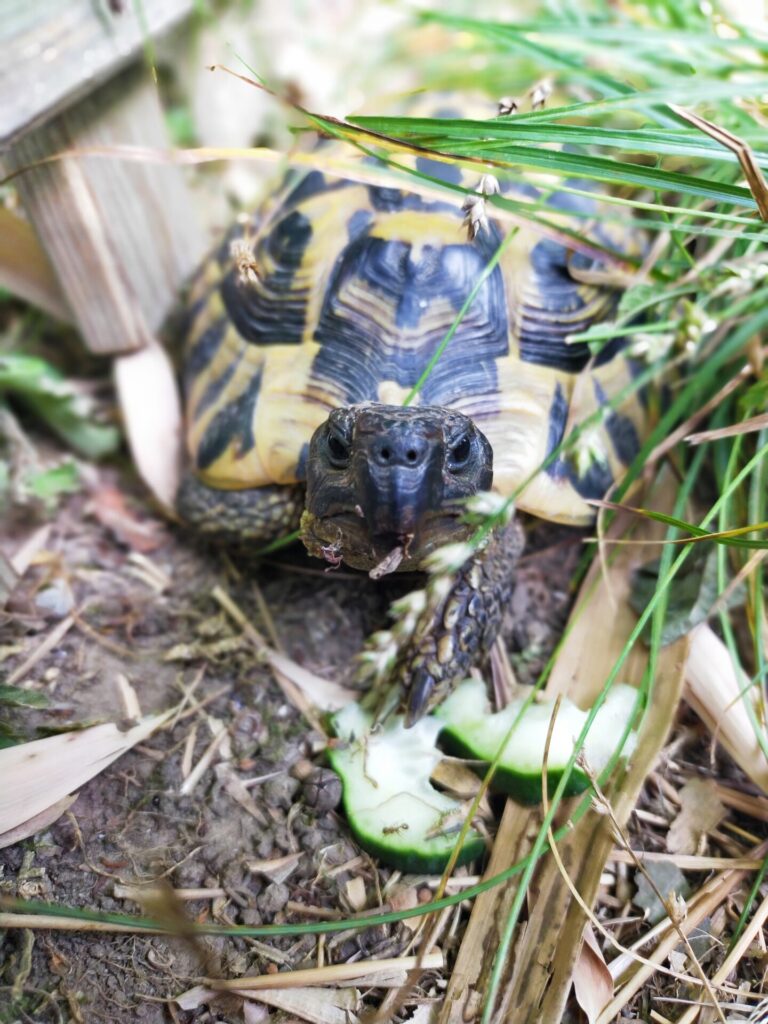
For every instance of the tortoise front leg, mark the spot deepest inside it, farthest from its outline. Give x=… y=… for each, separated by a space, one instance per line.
x=259 y=514
x=457 y=623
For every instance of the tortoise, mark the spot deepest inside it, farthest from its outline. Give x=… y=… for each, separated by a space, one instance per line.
x=306 y=335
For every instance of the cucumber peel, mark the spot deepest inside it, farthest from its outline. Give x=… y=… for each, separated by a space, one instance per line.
x=471 y=730
x=393 y=810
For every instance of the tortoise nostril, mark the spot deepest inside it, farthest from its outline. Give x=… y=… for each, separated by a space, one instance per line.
x=385 y=454
x=411 y=455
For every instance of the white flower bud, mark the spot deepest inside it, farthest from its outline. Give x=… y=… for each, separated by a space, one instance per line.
x=489 y=503
x=651 y=347
x=439 y=587
x=540 y=93
x=241 y=254
x=411 y=604
x=488 y=185
x=379 y=655
x=476 y=218
x=449 y=558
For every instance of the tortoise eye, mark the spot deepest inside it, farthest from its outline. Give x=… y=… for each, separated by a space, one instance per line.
x=460 y=452
x=338 y=451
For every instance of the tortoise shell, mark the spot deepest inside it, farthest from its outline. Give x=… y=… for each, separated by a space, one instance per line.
x=339 y=291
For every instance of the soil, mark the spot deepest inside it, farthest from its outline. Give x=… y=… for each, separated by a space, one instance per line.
x=140 y=592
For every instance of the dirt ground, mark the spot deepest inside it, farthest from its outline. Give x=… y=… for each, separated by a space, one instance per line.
x=138 y=593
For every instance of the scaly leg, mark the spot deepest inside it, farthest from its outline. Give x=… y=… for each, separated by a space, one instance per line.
x=261 y=514
x=455 y=630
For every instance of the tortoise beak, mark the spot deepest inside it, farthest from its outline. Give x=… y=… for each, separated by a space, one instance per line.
x=399 y=470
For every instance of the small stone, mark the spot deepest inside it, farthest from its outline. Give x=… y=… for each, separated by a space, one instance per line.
x=251 y=917
x=56 y=600
x=274 y=898
x=322 y=790
x=279 y=792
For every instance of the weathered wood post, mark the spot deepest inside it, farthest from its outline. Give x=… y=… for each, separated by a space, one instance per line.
x=121 y=236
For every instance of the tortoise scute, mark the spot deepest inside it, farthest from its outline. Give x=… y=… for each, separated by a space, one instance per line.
x=340 y=291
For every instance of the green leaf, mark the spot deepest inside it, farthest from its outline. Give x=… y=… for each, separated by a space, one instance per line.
x=19 y=697
x=690 y=602
x=40 y=386
x=636 y=299
x=49 y=484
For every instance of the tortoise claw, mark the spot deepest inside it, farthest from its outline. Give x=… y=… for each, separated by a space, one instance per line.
x=419 y=699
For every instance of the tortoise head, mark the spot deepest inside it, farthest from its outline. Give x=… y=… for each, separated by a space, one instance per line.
x=387 y=480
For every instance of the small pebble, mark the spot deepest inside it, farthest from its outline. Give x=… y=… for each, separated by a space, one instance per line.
x=274 y=898
x=56 y=600
x=322 y=790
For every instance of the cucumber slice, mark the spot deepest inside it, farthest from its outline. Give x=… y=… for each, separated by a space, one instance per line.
x=393 y=810
x=471 y=730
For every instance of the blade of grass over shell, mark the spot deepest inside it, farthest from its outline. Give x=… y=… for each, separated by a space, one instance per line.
x=595 y=168
x=462 y=132
x=594 y=33
x=481 y=279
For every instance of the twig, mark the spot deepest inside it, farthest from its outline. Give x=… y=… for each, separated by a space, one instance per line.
x=46 y=645
x=205 y=761
x=734 y=956
x=332 y=975
x=745 y=427
x=687 y=862
x=743 y=151
x=667 y=902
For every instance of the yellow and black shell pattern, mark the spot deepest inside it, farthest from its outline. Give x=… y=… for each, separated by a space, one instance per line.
x=338 y=292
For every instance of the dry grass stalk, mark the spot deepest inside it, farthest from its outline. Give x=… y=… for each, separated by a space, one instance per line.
x=735 y=955
x=684 y=430
x=667 y=901
x=189 y=749
x=744 y=153
x=755 y=806
x=599 y=926
x=53 y=638
x=128 y=698
x=267 y=618
x=138 y=893
x=25 y=555
x=345 y=168
x=50 y=922
x=701 y=905
x=361 y=972
x=686 y=862
x=745 y=427
x=219 y=736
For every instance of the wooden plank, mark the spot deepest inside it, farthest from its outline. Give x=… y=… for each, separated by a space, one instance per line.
x=8 y=578
x=25 y=270
x=121 y=235
x=55 y=51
